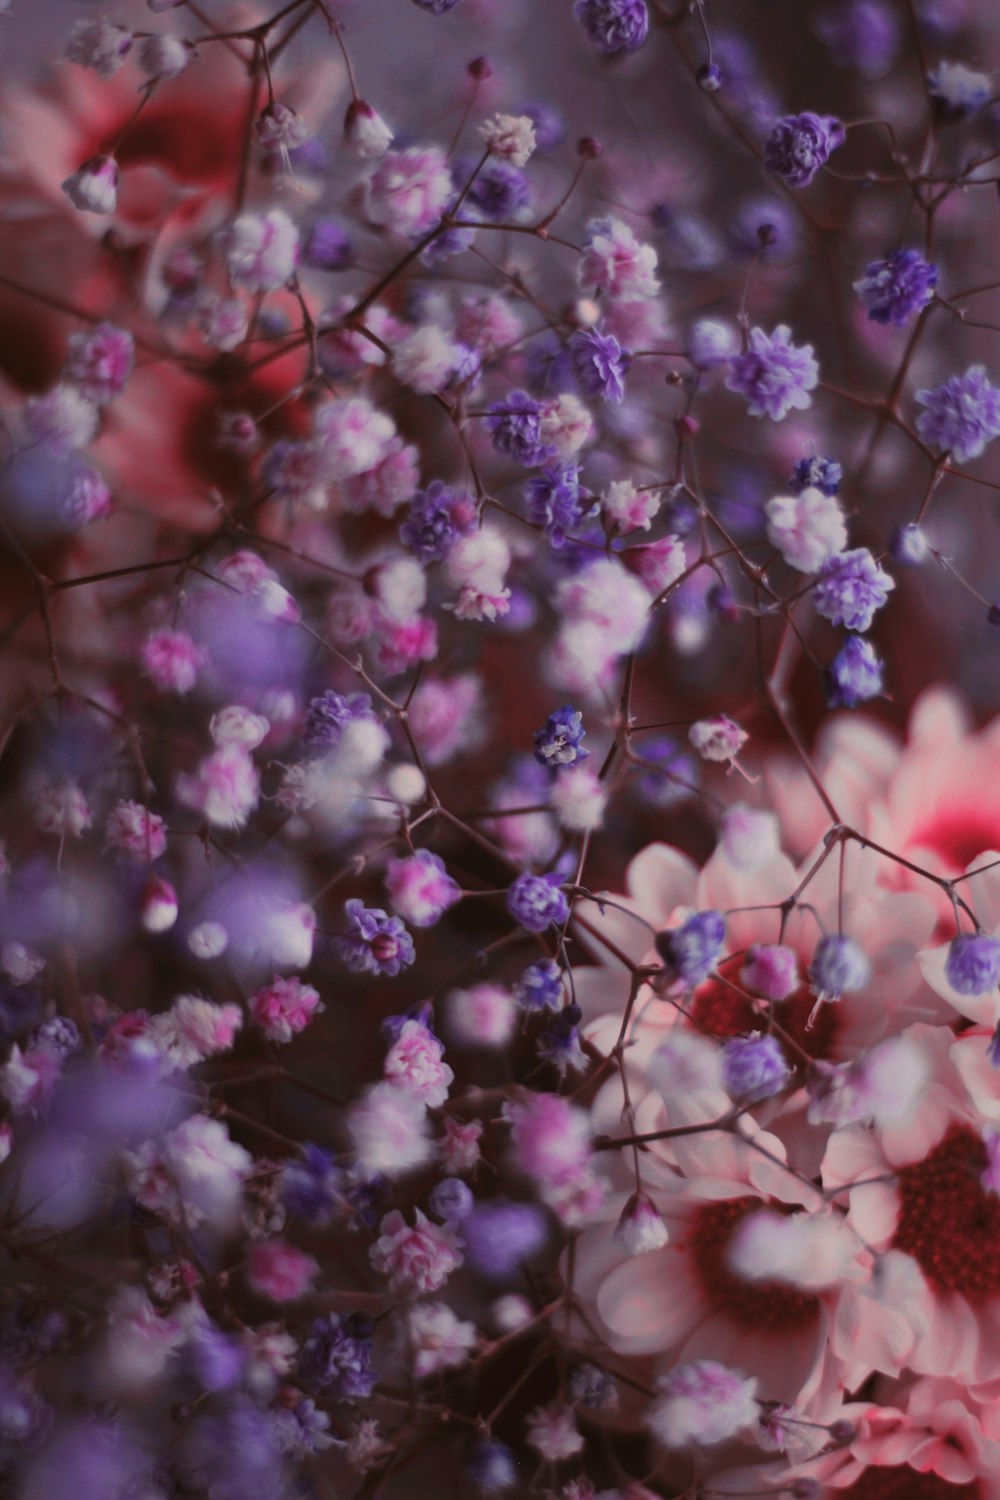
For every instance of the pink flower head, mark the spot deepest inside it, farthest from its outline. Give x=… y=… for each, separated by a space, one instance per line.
x=409 y=189
x=629 y=509
x=28 y=1079
x=388 y=1127
x=61 y=808
x=703 y=1402
x=414 y=1063
x=136 y=833
x=552 y=1432
x=225 y=789
x=808 y=529
x=550 y=1136
x=437 y=1338
x=614 y=261
x=460 y=1144
x=283 y=1008
x=94 y=187
x=237 y=725
x=62 y=421
x=192 y=1030
x=261 y=250
x=447 y=716
x=417 y=1259
x=277 y=1270
x=484 y=1015
x=771 y=969
x=159 y=906
x=420 y=889
x=717 y=738
x=99 y=362
x=388 y=484
x=365 y=132
x=353 y=437
x=403 y=643
x=172 y=660
x=100 y=44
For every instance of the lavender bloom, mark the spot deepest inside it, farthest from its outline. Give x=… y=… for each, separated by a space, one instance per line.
x=613 y=25
x=824 y=474
x=851 y=588
x=774 y=375
x=540 y=987
x=336 y=1358
x=973 y=964
x=838 y=967
x=862 y=36
x=376 y=943
x=516 y=428
x=962 y=416
x=500 y=1236
x=233 y=1454
x=896 y=288
x=536 y=902
x=799 y=145
x=492 y=1467
x=754 y=1067
x=855 y=674
x=689 y=952
x=328 y=247
x=451 y=1200
x=909 y=545
x=328 y=715
x=438 y=516
x=500 y=192
x=310 y=1187
x=553 y=501
x=958 y=91
x=560 y=740
x=599 y=362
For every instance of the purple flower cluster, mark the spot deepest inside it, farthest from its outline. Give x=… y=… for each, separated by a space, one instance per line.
x=613 y=25
x=895 y=289
x=799 y=145
x=774 y=375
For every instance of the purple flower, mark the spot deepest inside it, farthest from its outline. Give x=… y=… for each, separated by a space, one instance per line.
x=536 y=901
x=851 y=588
x=500 y=1236
x=560 y=740
x=451 y=1200
x=838 y=966
x=962 y=415
x=854 y=675
x=599 y=362
x=896 y=288
x=540 y=987
x=376 y=942
x=613 y=25
x=310 y=1186
x=554 y=502
x=438 y=516
x=774 y=375
x=689 y=952
x=515 y=426
x=799 y=145
x=559 y=1040
x=909 y=545
x=336 y=1358
x=862 y=35
x=499 y=193
x=328 y=715
x=550 y=127
x=823 y=474
x=973 y=964
x=328 y=247
x=754 y=1067
x=492 y=1467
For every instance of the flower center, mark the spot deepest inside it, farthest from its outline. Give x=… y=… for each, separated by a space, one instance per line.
x=752 y=1304
x=723 y=1013
x=947 y=1220
x=903 y=1483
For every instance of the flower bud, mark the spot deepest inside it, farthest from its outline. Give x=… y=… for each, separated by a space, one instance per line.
x=94 y=188
x=365 y=132
x=159 y=906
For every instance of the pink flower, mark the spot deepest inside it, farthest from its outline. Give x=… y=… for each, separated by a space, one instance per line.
x=414 y=1063
x=484 y=1015
x=172 y=660
x=62 y=420
x=99 y=362
x=420 y=889
x=703 y=1402
x=136 y=833
x=388 y=1126
x=808 y=529
x=225 y=789
x=614 y=261
x=630 y=509
x=261 y=250
x=365 y=131
x=159 y=905
x=193 y=1029
x=283 y=1008
x=551 y=1138
x=28 y=1079
x=277 y=1270
x=460 y=1144
x=437 y=1339
x=417 y=1259
x=447 y=717
x=61 y=809
x=409 y=189
x=93 y=188
x=552 y=1432
x=353 y=437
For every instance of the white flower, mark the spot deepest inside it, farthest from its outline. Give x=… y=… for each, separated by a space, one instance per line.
x=94 y=188
x=566 y=425
x=640 y=1227
x=438 y=1339
x=703 y=1402
x=511 y=137
x=365 y=132
x=164 y=56
x=749 y=836
x=102 y=45
x=578 y=799
x=207 y=1169
x=388 y=1127
x=425 y=359
x=805 y=1250
x=552 y=1432
x=807 y=529
x=261 y=250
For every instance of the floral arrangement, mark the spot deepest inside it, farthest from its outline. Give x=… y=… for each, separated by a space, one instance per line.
x=500 y=914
